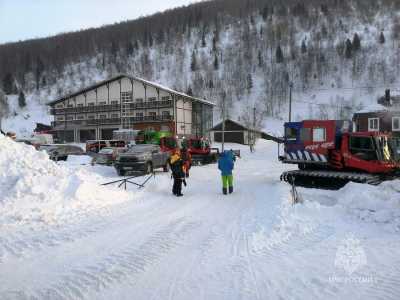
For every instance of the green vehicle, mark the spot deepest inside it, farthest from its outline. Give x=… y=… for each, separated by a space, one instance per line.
x=164 y=139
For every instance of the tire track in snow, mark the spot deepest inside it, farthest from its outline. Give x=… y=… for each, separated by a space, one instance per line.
x=123 y=265
x=178 y=284
x=21 y=244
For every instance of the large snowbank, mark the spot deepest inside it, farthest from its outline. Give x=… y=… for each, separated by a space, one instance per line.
x=380 y=204
x=36 y=189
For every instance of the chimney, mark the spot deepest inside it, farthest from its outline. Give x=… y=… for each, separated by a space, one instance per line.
x=387 y=96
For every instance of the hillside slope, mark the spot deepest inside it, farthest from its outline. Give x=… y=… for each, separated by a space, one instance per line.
x=339 y=56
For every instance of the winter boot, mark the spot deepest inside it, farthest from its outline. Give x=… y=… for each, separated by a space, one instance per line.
x=230 y=189
x=224 y=191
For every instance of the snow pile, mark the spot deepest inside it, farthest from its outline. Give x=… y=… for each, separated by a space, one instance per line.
x=380 y=204
x=36 y=189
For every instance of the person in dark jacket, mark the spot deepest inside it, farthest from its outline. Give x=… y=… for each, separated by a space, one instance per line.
x=177 y=168
x=226 y=165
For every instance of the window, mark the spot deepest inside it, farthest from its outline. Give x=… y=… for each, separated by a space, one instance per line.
x=139 y=115
x=114 y=116
x=103 y=117
x=70 y=117
x=91 y=104
x=91 y=117
x=114 y=102
x=126 y=97
x=166 y=98
x=139 y=100
x=60 y=119
x=60 y=106
x=291 y=133
x=396 y=124
x=373 y=124
x=152 y=99
x=102 y=103
x=305 y=134
x=319 y=134
x=80 y=117
x=152 y=114
x=165 y=114
x=363 y=148
x=70 y=105
x=79 y=105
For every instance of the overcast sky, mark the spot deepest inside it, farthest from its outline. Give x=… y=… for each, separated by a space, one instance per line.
x=26 y=19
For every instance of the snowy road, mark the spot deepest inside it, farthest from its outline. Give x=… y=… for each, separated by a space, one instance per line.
x=250 y=245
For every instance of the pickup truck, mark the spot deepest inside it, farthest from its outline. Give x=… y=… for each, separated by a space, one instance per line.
x=142 y=159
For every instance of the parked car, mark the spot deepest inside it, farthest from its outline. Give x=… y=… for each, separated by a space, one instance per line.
x=96 y=145
x=60 y=151
x=142 y=158
x=107 y=155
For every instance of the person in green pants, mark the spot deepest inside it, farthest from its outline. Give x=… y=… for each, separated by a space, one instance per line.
x=226 y=165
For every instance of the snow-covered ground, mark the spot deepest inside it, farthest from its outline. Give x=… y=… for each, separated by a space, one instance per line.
x=63 y=236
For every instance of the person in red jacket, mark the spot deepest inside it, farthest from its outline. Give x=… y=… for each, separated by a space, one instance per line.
x=187 y=161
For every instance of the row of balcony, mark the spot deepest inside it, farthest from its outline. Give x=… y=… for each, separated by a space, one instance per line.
x=114 y=121
x=92 y=122
x=112 y=107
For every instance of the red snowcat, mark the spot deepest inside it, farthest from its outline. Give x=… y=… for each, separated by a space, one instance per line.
x=329 y=155
x=200 y=150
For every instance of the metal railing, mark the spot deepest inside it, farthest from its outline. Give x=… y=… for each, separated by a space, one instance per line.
x=111 y=107
x=85 y=109
x=91 y=122
x=151 y=119
x=123 y=182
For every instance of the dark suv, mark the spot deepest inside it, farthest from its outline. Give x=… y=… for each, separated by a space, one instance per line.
x=142 y=159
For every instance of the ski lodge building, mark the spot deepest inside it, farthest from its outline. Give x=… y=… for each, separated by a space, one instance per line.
x=127 y=102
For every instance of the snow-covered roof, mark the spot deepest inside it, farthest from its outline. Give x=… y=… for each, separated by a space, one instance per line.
x=118 y=77
x=373 y=108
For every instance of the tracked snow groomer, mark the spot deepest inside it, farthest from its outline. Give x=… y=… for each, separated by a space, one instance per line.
x=329 y=155
x=200 y=150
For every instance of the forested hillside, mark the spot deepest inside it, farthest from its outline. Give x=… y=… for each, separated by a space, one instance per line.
x=338 y=55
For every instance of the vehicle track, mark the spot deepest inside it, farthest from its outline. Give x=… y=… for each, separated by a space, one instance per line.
x=123 y=265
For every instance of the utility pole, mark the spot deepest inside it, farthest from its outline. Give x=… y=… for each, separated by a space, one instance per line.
x=290 y=101
x=223 y=120
x=253 y=133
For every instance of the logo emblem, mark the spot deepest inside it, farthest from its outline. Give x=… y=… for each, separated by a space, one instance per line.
x=350 y=255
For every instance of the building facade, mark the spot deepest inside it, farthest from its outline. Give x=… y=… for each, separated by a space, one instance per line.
x=126 y=102
x=383 y=117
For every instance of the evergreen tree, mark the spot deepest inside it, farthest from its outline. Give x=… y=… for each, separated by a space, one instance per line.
x=114 y=49
x=348 y=52
x=279 y=54
x=216 y=62
x=264 y=12
x=136 y=45
x=8 y=84
x=303 y=47
x=215 y=44
x=129 y=49
x=189 y=91
x=193 y=64
x=21 y=99
x=203 y=39
x=38 y=71
x=356 y=42
x=382 y=38
x=249 y=83
x=260 y=59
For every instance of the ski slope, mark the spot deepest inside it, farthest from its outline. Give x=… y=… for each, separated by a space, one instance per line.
x=148 y=244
